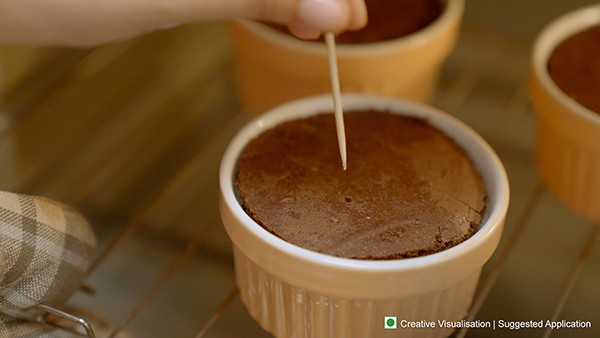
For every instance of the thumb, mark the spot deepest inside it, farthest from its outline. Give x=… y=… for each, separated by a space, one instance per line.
x=320 y=15
x=306 y=17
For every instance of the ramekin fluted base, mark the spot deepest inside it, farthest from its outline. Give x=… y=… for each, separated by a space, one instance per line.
x=291 y=312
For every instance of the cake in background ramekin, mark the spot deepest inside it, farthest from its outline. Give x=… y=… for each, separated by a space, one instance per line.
x=568 y=133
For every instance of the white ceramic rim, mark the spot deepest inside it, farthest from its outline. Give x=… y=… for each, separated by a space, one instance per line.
x=554 y=33
x=481 y=153
x=452 y=12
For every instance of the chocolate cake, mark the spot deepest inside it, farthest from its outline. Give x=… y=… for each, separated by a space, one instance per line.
x=408 y=191
x=391 y=19
x=574 y=65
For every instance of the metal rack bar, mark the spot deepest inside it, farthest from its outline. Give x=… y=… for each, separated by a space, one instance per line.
x=456 y=93
x=82 y=322
x=163 y=279
x=575 y=273
x=178 y=180
x=218 y=312
x=460 y=88
x=515 y=108
x=496 y=270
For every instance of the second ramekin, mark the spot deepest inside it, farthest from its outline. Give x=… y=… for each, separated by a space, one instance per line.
x=272 y=67
x=568 y=134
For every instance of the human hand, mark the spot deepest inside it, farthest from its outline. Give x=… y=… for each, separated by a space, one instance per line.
x=309 y=18
x=90 y=23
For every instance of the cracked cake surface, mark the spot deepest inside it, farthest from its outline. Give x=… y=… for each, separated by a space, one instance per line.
x=409 y=190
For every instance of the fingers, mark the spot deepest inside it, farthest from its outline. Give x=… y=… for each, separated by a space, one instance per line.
x=324 y=15
x=89 y=23
x=308 y=18
x=304 y=32
x=358 y=15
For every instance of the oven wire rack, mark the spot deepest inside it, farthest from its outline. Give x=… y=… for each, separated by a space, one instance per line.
x=132 y=133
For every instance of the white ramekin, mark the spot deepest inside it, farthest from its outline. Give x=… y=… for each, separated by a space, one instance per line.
x=295 y=292
x=272 y=67
x=568 y=134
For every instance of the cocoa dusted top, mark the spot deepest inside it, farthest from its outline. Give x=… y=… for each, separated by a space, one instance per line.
x=575 y=67
x=390 y=19
x=408 y=190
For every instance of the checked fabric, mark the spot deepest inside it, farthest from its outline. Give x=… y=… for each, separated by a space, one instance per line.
x=45 y=250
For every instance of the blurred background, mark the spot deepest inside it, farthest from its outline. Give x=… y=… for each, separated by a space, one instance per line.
x=131 y=134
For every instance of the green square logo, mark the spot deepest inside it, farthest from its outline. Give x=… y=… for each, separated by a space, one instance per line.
x=390 y=322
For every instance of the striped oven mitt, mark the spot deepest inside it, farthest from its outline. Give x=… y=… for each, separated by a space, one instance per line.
x=45 y=249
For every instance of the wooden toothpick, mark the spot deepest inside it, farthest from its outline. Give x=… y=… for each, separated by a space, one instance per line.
x=337 y=97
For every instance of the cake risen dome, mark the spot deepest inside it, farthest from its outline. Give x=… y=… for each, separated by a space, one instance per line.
x=408 y=191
